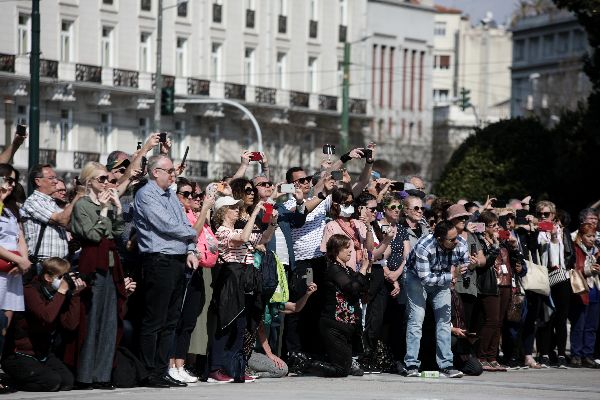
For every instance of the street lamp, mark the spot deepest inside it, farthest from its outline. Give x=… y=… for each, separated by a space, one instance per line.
x=344 y=133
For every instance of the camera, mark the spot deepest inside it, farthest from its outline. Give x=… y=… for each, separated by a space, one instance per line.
x=71 y=276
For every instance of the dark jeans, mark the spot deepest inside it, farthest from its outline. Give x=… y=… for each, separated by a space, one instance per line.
x=164 y=283
x=584 y=324
x=192 y=307
x=227 y=348
x=337 y=338
x=469 y=301
x=493 y=311
x=534 y=306
x=32 y=375
x=555 y=332
x=377 y=309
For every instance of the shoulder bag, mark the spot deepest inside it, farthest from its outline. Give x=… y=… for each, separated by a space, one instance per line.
x=536 y=279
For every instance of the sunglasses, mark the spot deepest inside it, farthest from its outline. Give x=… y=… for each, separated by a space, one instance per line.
x=544 y=214
x=249 y=190
x=304 y=180
x=10 y=180
x=265 y=184
x=102 y=178
x=186 y=194
x=120 y=170
x=372 y=209
x=197 y=196
x=113 y=181
x=394 y=207
x=417 y=209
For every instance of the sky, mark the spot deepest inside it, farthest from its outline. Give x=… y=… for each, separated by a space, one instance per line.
x=502 y=9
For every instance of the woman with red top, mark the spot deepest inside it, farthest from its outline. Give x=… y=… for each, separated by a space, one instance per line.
x=585 y=307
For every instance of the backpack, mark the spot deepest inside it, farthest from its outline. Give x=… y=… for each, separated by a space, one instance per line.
x=268 y=271
x=206 y=241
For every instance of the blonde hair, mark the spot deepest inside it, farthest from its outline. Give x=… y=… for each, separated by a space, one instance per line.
x=55 y=266
x=540 y=205
x=88 y=171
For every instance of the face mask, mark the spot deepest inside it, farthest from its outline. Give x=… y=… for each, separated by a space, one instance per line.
x=346 y=212
x=56 y=283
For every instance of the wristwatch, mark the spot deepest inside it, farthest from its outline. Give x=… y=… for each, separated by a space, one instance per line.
x=299 y=203
x=194 y=252
x=321 y=196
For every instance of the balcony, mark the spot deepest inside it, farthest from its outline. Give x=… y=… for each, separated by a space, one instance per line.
x=282 y=24
x=167 y=81
x=327 y=103
x=125 y=78
x=235 y=91
x=80 y=158
x=217 y=14
x=49 y=69
x=299 y=99
x=219 y=170
x=7 y=62
x=250 y=14
x=265 y=95
x=47 y=156
x=196 y=169
x=357 y=106
x=88 y=73
x=313 y=29
x=342 y=34
x=199 y=87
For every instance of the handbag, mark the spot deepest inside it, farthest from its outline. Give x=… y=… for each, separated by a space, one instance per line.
x=579 y=284
x=516 y=305
x=5 y=265
x=208 y=252
x=536 y=279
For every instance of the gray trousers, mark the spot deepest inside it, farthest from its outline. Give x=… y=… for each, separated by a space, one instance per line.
x=264 y=367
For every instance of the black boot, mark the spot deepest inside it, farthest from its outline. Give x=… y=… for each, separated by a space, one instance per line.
x=324 y=369
x=298 y=363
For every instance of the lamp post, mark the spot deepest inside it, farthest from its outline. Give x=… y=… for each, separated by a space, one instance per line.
x=34 y=98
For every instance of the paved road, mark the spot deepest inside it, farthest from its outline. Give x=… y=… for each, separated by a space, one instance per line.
x=521 y=385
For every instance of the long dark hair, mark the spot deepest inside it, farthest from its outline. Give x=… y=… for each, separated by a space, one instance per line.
x=338 y=197
x=10 y=202
x=238 y=189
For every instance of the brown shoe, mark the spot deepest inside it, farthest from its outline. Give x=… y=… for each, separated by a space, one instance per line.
x=498 y=367
x=487 y=366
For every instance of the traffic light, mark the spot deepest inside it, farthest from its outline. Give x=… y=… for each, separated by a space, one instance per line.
x=465 y=100
x=167 y=101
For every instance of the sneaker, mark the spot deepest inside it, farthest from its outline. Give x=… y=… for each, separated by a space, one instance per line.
x=174 y=373
x=588 y=362
x=400 y=368
x=411 y=372
x=487 y=366
x=219 y=377
x=544 y=362
x=185 y=376
x=355 y=369
x=450 y=372
x=249 y=379
x=513 y=365
x=575 y=362
x=561 y=363
x=498 y=367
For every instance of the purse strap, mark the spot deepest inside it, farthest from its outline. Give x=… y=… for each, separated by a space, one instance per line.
x=38 y=244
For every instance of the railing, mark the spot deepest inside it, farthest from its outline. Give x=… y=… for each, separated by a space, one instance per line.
x=235 y=91
x=282 y=24
x=265 y=95
x=250 y=18
x=167 y=81
x=217 y=13
x=88 y=73
x=196 y=169
x=47 y=156
x=313 y=29
x=7 y=62
x=328 y=103
x=299 y=99
x=222 y=169
x=343 y=31
x=80 y=158
x=122 y=77
x=198 y=87
x=357 y=106
x=49 y=68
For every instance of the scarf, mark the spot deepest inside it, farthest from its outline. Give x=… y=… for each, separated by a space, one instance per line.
x=352 y=232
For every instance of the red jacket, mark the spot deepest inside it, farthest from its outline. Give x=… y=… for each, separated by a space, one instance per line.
x=580 y=258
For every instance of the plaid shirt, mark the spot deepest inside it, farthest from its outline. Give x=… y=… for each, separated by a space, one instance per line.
x=432 y=264
x=36 y=211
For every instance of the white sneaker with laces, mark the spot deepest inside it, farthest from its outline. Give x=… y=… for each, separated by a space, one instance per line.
x=185 y=376
x=174 y=373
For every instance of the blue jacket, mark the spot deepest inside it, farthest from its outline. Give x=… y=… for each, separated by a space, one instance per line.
x=287 y=220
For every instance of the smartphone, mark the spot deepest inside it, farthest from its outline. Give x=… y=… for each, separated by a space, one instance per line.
x=337 y=175
x=309 y=276
x=520 y=217
x=546 y=226
x=476 y=227
x=255 y=156
x=328 y=149
x=162 y=137
x=503 y=235
x=473 y=249
x=21 y=130
x=367 y=153
x=397 y=186
x=385 y=229
x=287 y=188
x=187 y=148
x=143 y=164
x=472 y=334
x=139 y=146
x=268 y=213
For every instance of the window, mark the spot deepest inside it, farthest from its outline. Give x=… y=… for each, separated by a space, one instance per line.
x=312 y=75
x=106 y=47
x=314 y=10
x=343 y=12
x=105 y=131
x=282 y=7
x=250 y=14
x=145 y=52
x=182 y=9
x=146 y=5
x=534 y=48
x=440 y=95
x=23 y=44
x=107 y=2
x=441 y=62
x=281 y=70
x=217 y=13
x=181 y=57
x=178 y=148
x=144 y=128
x=578 y=40
x=216 y=61
x=66 y=41
x=562 y=45
x=66 y=124
x=548 y=45
x=439 y=28
x=519 y=50
x=249 y=66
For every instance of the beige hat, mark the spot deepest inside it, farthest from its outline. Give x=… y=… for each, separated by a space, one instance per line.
x=456 y=211
x=227 y=201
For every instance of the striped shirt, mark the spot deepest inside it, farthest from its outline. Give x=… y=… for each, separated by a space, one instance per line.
x=307 y=239
x=432 y=264
x=239 y=254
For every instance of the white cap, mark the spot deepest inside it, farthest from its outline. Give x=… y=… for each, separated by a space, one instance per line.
x=227 y=201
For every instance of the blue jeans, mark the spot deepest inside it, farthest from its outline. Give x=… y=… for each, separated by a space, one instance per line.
x=417 y=296
x=584 y=323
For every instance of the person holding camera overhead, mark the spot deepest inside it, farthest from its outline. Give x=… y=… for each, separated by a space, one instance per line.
x=97 y=220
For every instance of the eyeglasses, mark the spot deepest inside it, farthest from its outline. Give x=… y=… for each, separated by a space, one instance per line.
x=417 y=209
x=249 y=190
x=185 y=194
x=266 y=184
x=544 y=214
x=304 y=180
x=494 y=225
x=102 y=178
x=394 y=207
x=10 y=180
x=50 y=178
x=169 y=171
x=372 y=209
x=197 y=196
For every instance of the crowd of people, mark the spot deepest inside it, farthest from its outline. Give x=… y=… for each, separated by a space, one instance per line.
x=133 y=275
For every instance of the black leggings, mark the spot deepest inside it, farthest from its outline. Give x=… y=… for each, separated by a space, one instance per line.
x=337 y=337
x=555 y=332
x=32 y=375
x=192 y=307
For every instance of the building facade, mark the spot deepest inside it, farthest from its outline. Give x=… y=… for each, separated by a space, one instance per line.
x=547 y=69
x=282 y=59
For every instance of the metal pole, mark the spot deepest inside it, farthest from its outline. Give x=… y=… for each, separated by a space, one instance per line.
x=158 y=75
x=8 y=103
x=34 y=98
x=344 y=133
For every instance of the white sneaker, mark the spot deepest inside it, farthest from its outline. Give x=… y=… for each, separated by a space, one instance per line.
x=185 y=376
x=174 y=373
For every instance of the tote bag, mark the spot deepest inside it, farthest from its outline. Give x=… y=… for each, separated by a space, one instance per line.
x=536 y=278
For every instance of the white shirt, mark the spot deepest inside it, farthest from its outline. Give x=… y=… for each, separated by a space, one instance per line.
x=307 y=239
